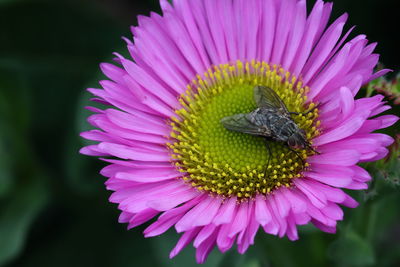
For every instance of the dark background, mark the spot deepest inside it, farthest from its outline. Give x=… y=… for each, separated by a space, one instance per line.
x=53 y=206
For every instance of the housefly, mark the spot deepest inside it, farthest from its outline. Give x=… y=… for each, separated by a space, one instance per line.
x=271 y=120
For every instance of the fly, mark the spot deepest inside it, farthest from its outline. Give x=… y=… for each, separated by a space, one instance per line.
x=271 y=120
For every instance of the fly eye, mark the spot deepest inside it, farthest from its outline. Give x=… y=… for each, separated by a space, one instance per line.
x=292 y=142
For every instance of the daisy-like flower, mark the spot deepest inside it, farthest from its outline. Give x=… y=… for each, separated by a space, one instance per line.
x=173 y=162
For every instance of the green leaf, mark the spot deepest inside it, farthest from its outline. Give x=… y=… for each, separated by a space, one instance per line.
x=17 y=215
x=6 y=180
x=250 y=259
x=14 y=125
x=82 y=172
x=352 y=250
x=3 y=2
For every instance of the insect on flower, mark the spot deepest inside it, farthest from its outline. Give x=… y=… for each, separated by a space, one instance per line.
x=271 y=120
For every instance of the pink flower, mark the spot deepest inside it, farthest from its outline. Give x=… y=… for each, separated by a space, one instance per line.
x=172 y=160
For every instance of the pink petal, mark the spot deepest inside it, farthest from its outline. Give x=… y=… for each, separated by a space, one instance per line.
x=378 y=74
x=347 y=102
x=226 y=212
x=380 y=110
x=313 y=23
x=282 y=203
x=142 y=217
x=113 y=72
x=295 y=34
x=144 y=192
x=149 y=176
x=292 y=230
x=205 y=248
x=144 y=79
x=284 y=22
x=329 y=72
x=362 y=145
x=262 y=213
x=281 y=221
x=138 y=164
x=173 y=200
x=355 y=185
x=92 y=151
x=125 y=217
x=387 y=120
x=124 y=135
x=316 y=198
x=349 y=202
x=301 y=218
x=170 y=217
x=213 y=16
x=185 y=239
x=200 y=215
x=197 y=7
x=361 y=174
x=224 y=242
x=333 y=211
x=297 y=204
x=332 y=194
x=125 y=152
x=204 y=234
x=345 y=129
x=268 y=29
x=325 y=228
x=330 y=179
x=340 y=158
x=324 y=47
x=240 y=222
x=184 y=9
x=250 y=233
x=250 y=214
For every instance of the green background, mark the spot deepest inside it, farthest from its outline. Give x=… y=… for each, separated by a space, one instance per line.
x=53 y=206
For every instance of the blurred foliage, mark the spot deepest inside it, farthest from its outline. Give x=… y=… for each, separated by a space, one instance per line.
x=53 y=205
x=389 y=88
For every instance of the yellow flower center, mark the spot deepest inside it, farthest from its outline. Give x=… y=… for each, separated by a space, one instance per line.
x=216 y=160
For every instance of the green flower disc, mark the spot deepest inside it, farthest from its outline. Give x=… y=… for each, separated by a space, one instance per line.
x=227 y=163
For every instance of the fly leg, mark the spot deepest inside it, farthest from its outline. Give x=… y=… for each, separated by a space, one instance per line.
x=298 y=156
x=305 y=113
x=269 y=157
x=312 y=149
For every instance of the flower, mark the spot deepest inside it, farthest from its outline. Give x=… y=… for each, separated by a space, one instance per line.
x=169 y=154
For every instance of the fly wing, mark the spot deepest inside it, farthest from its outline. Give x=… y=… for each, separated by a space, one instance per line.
x=240 y=123
x=265 y=97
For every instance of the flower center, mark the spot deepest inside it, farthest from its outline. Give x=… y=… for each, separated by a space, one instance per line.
x=227 y=163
